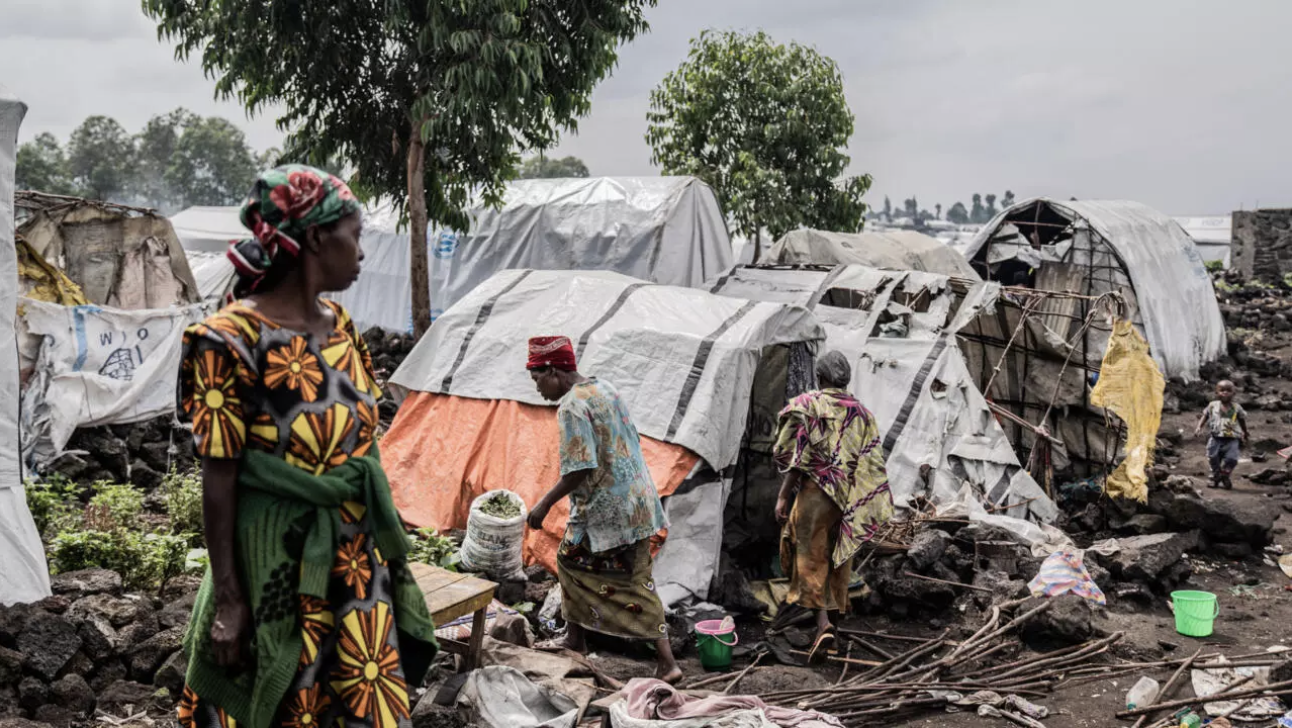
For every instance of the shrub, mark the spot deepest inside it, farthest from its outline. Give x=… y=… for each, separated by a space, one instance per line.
x=144 y=560
x=53 y=504
x=114 y=506
x=183 y=495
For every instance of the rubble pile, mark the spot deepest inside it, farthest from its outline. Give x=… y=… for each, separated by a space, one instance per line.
x=388 y=351
x=90 y=647
x=140 y=453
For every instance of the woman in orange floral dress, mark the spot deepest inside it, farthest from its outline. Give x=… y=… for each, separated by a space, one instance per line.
x=283 y=372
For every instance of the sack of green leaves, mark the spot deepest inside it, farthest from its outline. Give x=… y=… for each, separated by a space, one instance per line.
x=495 y=536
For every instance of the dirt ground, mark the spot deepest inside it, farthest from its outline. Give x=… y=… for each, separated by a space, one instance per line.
x=1255 y=607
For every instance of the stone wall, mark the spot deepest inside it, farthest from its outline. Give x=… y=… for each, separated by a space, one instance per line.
x=1262 y=244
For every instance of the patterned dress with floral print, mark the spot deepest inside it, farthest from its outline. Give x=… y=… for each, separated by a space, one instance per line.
x=247 y=383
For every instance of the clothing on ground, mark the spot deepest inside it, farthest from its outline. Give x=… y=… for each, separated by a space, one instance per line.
x=341 y=629
x=834 y=441
x=650 y=699
x=807 y=541
x=617 y=505
x=611 y=592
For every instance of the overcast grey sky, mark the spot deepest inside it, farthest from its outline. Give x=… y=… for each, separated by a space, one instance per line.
x=1181 y=104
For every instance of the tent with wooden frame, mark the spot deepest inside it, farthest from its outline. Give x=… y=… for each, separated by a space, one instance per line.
x=1073 y=267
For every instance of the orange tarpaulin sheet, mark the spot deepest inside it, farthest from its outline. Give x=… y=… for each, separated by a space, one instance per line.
x=443 y=451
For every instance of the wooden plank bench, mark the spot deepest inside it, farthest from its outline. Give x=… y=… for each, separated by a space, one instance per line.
x=449 y=596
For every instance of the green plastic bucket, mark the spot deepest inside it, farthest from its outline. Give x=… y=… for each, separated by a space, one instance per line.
x=1195 y=612
x=714 y=644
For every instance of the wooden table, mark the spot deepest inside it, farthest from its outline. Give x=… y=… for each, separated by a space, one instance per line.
x=449 y=596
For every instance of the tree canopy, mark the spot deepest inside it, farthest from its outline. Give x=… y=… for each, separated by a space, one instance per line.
x=541 y=167
x=177 y=160
x=42 y=165
x=766 y=126
x=101 y=158
x=428 y=103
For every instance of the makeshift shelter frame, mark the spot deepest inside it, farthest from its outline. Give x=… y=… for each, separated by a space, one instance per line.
x=1096 y=275
x=1026 y=300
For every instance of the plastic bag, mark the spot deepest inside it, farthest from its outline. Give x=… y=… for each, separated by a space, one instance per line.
x=493 y=545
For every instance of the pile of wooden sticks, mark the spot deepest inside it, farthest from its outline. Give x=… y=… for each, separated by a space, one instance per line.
x=929 y=674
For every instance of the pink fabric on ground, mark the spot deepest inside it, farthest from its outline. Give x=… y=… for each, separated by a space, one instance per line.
x=657 y=700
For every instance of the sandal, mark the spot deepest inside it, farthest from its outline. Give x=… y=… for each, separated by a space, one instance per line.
x=825 y=638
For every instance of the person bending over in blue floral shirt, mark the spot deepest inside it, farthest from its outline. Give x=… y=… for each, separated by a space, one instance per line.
x=604 y=561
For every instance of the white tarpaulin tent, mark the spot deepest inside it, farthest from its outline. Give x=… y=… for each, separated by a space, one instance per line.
x=1094 y=247
x=684 y=361
x=663 y=229
x=888 y=249
x=24 y=576
x=898 y=330
x=682 y=358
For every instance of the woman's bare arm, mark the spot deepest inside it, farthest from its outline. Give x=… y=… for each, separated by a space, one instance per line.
x=219 y=514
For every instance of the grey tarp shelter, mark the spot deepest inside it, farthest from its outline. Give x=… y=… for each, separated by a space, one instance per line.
x=887 y=249
x=24 y=576
x=685 y=361
x=899 y=331
x=667 y=230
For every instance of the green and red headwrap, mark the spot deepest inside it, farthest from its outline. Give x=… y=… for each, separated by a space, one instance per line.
x=283 y=203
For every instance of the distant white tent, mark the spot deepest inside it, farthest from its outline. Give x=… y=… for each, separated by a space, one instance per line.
x=1212 y=235
x=889 y=249
x=666 y=230
x=24 y=576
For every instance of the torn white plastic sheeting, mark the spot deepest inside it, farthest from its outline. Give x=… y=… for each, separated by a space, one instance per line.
x=682 y=359
x=1213 y=680
x=1043 y=539
x=100 y=366
x=913 y=378
x=502 y=697
x=24 y=576
x=688 y=560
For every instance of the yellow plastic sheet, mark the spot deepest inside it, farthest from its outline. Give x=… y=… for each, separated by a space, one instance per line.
x=45 y=282
x=1131 y=386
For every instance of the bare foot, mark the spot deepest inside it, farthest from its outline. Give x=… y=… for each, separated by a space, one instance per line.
x=672 y=677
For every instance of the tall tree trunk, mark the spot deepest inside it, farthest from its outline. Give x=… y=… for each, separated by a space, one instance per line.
x=758 y=246
x=419 y=273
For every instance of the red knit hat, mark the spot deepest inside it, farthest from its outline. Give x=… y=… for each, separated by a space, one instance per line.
x=551 y=351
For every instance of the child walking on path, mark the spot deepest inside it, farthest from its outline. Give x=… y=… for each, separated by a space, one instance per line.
x=1226 y=424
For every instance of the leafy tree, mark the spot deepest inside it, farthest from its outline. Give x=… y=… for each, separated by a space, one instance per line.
x=427 y=101
x=541 y=167
x=1007 y=201
x=958 y=214
x=923 y=216
x=979 y=213
x=211 y=164
x=937 y=211
x=911 y=209
x=766 y=126
x=101 y=157
x=888 y=209
x=43 y=166
x=154 y=148
x=990 y=212
x=268 y=159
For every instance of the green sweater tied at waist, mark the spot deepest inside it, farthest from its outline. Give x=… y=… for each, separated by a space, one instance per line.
x=282 y=508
